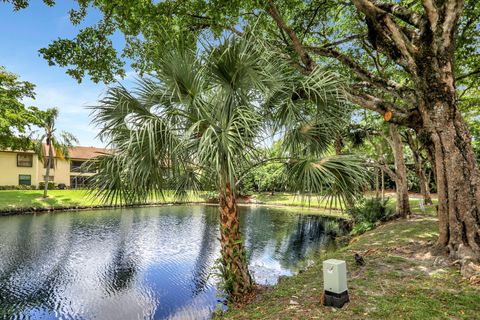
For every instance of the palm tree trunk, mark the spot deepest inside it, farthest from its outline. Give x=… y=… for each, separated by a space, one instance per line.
x=238 y=281
x=47 y=171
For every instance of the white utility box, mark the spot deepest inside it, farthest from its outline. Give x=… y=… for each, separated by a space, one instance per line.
x=335 y=275
x=335 y=283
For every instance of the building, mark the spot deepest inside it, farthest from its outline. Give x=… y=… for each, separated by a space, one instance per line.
x=24 y=167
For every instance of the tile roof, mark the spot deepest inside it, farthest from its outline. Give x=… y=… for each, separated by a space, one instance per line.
x=87 y=152
x=83 y=153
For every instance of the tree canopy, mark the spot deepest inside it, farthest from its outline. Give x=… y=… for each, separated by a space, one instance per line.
x=15 y=117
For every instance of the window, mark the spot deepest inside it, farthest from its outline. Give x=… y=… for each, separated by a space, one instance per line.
x=24 y=160
x=75 y=166
x=24 y=179
x=79 y=166
x=78 y=182
x=50 y=178
x=52 y=164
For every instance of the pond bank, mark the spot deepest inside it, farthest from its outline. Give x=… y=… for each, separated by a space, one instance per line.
x=400 y=280
x=14 y=202
x=30 y=210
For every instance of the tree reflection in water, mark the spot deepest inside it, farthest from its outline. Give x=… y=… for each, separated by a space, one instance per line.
x=151 y=263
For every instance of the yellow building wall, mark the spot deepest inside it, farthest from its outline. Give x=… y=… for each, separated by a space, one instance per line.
x=9 y=172
x=61 y=172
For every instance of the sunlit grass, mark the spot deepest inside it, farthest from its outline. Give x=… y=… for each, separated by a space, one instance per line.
x=399 y=281
x=12 y=199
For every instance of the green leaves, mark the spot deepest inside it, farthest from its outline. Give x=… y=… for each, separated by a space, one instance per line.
x=15 y=118
x=200 y=121
x=90 y=52
x=341 y=176
x=61 y=142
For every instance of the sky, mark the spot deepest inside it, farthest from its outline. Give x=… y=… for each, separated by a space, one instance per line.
x=22 y=34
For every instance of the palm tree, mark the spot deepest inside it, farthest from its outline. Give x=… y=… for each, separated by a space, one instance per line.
x=203 y=117
x=58 y=144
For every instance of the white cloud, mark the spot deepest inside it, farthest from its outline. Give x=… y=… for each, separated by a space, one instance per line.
x=72 y=101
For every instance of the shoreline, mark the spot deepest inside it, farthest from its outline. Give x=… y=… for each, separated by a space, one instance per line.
x=4 y=212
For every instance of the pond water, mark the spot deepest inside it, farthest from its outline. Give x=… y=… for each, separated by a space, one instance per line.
x=142 y=263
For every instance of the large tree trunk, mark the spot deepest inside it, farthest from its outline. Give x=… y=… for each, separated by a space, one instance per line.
x=457 y=173
x=457 y=182
x=238 y=282
x=403 y=205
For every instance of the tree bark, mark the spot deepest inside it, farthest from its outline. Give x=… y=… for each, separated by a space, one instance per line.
x=457 y=172
x=47 y=171
x=423 y=182
x=338 y=144
x=403 y=205
x=238 y=281
x=458 y=178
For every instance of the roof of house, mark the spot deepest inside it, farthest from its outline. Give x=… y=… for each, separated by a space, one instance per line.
x=83 y=153
x=87 y=152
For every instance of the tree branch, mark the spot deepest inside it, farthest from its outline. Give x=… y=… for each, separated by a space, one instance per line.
x=469 y=74
x=390 y=36
x=412 y=18
x=452 y=10
x=399 y=116
x=344 y=40
x=297 y=45
x=390 y=86
x=432 y=14
x=385 y=168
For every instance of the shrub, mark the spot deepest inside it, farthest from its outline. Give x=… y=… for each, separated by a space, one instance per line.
x=368 y=212
x=19 y=187
x=51 y=185
x=210 y=196
x=362 y=227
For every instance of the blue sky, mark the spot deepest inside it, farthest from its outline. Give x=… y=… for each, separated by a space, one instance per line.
x=22 y=34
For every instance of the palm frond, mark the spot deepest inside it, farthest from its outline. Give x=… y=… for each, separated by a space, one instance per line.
x=339 y=176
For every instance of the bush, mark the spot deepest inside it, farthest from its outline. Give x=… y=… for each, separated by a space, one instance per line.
x=19 y=187
x=210 y=196
x=368 y=212
x=362 y=227
x=51 y=185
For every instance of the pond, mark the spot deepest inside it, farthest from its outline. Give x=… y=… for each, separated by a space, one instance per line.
x=141 y=263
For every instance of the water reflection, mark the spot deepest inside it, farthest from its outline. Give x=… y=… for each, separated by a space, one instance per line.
x=145 y=263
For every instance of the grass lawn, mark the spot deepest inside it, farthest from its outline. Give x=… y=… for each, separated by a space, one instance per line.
x=61 y=198
x=33 y=198
x=56 y=198
x=400 y=280
x=291 y=199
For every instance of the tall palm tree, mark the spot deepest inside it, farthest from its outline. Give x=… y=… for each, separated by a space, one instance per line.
x=55 y=144
x=203 y=117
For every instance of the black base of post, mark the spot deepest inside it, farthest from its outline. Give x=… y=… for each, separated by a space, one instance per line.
x=336 y=300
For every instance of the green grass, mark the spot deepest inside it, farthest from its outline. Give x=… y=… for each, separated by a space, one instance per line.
x=399 y=281
x=291 y=199
x=33 y=198
x=56 y=198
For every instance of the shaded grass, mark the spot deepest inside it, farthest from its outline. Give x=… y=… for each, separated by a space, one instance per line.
x=399 y=281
